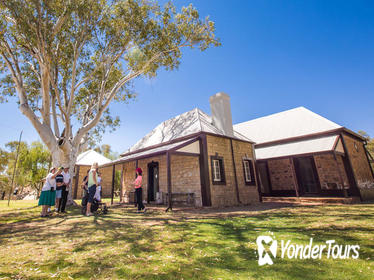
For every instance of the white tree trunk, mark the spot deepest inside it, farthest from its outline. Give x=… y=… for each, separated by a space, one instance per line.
x=65 y=156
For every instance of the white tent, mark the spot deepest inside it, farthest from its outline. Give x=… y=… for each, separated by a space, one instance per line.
x=89 y=157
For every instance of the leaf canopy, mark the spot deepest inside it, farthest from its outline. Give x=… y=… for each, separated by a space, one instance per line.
x=69 y=59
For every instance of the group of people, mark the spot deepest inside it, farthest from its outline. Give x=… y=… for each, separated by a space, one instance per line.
x=55 y=190
x=57 y=183
x=92 y=185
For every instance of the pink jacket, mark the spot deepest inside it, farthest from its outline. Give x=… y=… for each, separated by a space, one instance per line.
x=138 y=182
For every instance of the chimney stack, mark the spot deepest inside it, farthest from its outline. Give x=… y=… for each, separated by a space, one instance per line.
x=221 y=112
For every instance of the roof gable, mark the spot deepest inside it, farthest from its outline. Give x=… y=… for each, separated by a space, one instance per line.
x=291 y=123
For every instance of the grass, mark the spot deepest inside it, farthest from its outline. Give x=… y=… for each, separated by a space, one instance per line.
x=210 y=244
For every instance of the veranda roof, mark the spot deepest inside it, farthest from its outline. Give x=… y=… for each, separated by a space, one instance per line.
x=160 y=150
x=317 y=145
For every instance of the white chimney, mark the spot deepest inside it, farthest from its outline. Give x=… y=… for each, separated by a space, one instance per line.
x=221 y=112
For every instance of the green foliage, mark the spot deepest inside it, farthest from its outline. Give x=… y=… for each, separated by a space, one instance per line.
x=32 y=165
x=117 y=180
x=106 y=151
x=79 y=56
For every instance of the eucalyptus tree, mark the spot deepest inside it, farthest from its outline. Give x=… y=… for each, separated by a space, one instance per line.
x=65 y=61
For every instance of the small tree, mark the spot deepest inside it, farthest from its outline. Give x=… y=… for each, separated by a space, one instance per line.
x=67 y=60
x=35 y=164
x=32 y=165
x=106 y=151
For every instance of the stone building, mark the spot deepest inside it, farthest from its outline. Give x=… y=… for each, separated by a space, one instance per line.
x=300 y=153
x=199 y=159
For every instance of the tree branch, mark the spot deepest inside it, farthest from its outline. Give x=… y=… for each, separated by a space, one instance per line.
x=93 y=122
x=60 y=21
x=43 y=130
x=54 y=115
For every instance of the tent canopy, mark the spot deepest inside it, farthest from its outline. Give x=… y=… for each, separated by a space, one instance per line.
x=89 y=157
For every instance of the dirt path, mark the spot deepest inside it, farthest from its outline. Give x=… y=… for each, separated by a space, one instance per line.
x=210 y=212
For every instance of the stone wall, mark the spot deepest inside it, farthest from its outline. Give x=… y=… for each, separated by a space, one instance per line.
x=331 y=172
x=282 y=175
x=360 y=164
x=106 y=180
x=185 y=176
x=225 y=195
x=128 y=178
x=247 y=193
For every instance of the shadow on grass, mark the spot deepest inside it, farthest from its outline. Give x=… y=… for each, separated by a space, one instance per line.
x=154 y=246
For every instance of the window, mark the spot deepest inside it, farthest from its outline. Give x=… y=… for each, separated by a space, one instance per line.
x=218 y=172
x=249 y=176
x=247 y=171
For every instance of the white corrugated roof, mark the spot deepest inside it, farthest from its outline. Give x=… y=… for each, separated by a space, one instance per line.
x=292 y=123
x=89 y=157
x=320 y=144
x=188 y=123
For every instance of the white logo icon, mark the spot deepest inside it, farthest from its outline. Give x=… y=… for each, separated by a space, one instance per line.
x=264 y=257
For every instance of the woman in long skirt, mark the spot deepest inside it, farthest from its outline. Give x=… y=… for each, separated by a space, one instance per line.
x=48 y=196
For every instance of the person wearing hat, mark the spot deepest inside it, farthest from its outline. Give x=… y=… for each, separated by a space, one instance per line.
x=48 y=194
x=138 y=189
x=92 y=183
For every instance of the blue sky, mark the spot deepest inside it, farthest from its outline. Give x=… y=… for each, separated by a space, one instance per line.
x=275 y=55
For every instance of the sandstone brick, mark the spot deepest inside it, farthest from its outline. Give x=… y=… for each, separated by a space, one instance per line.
x=281 y=172
x=225 y=195
x=360 y=164
x=331 y=171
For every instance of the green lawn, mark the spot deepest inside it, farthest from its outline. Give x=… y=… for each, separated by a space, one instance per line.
x=179 y=245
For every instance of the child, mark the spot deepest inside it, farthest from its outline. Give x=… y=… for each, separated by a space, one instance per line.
x=98 y=189
x=98 y=192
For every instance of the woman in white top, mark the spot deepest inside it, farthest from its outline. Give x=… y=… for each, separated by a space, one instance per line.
x=48 y=195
